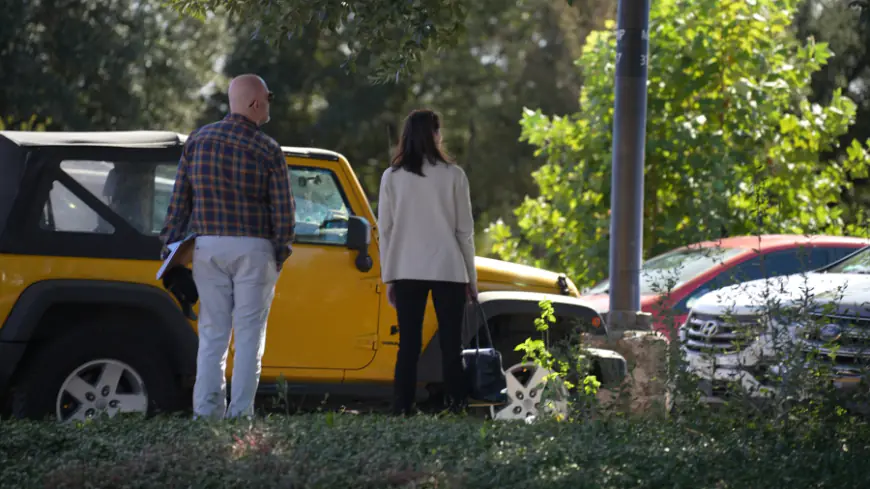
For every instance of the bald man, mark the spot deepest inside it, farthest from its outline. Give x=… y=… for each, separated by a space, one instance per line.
x=232 y=191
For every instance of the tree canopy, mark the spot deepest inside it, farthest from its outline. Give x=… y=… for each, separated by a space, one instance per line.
x=734 y=145
x=101 y=65
x=387 y=38
x=845 y=26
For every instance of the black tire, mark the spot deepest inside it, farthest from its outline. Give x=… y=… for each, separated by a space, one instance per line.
x=45 y=369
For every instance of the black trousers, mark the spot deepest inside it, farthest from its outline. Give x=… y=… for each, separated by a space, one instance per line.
x=449 y=299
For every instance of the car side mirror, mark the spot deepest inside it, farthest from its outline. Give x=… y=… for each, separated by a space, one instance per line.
x=359 y=237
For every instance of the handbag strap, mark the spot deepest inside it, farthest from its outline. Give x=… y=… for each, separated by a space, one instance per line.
x=479 y=308
x=468 y=318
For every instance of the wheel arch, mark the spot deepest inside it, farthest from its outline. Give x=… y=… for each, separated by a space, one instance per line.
x=39 y=309
x=510 y=316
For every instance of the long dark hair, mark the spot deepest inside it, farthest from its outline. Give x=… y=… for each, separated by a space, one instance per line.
x=417 y=142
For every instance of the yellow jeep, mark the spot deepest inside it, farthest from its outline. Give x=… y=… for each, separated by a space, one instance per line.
x=87 y=328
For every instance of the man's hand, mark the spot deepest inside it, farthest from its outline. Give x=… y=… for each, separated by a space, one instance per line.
x=282 y=254
x=164 y=252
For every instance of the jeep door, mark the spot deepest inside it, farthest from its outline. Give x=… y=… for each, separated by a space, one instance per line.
x=324 y=317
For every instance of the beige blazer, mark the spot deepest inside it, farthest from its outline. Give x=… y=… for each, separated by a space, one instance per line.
x=425 y=226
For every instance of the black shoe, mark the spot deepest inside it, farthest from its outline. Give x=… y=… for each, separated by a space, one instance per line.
x=457 y=406
x=401 y=409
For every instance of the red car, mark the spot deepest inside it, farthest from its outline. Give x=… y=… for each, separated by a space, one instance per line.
x=692 y=271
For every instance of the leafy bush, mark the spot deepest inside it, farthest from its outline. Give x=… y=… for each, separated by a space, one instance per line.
x=372 y=451
x=571 y=379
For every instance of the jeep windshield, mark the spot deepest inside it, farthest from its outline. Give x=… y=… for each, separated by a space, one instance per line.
x=857 y=263
x=674 y=268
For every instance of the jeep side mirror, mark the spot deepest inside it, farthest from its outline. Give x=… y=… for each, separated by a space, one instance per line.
x=359 y=237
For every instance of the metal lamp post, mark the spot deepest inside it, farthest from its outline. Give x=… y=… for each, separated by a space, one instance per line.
x=629 y=135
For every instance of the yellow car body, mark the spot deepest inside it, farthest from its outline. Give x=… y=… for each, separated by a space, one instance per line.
x=61 y=271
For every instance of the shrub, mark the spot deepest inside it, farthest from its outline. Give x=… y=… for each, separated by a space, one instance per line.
x=330 y=450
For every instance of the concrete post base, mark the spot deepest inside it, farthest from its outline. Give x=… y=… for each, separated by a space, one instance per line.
x=645 y=388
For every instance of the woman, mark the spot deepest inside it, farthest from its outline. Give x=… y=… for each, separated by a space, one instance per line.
x=426 y=244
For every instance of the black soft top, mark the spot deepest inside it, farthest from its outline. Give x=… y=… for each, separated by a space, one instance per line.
x=24 y=152
x=125 y=139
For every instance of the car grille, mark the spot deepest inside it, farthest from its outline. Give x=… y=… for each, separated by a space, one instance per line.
x=841 y=342
x=717 y=334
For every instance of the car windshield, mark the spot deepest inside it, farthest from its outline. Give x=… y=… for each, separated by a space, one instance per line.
x=674 y=268
x=858 y=263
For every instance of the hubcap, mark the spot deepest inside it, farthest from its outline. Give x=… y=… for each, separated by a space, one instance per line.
x=101 y=387
x=525 y=381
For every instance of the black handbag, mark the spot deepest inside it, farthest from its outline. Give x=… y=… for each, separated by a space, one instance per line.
x=483 y=366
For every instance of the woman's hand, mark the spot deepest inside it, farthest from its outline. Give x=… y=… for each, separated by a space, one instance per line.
x=391 y=295
x=471 y=291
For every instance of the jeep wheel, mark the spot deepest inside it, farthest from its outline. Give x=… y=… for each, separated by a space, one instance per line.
x=94 y=373
x=526 y=383
x=99 y=387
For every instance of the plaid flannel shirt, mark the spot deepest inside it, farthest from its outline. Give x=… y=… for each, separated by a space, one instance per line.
x=232 y=180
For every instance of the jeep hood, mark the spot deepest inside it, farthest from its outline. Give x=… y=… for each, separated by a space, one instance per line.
x=501 y=275
x=849 y=292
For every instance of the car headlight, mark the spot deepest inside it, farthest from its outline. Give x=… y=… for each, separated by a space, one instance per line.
x=682 y=329
x=681 y=333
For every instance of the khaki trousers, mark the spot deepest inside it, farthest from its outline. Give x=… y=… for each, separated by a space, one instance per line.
x=235 y=278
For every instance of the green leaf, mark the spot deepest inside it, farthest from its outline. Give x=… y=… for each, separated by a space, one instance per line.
x=788 y=123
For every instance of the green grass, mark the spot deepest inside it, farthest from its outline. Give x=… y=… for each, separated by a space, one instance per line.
x=349 y=451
